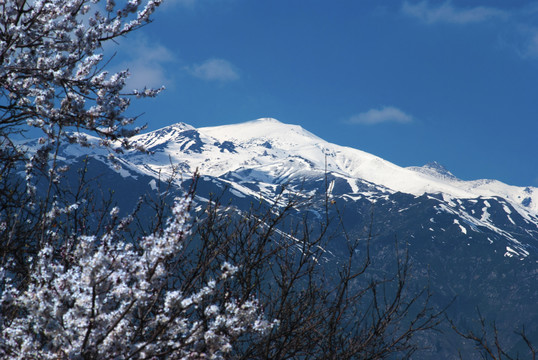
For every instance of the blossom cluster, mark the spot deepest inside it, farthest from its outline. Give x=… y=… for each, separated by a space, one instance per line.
x=110 y=299
x=52 y=65
x=100 y=296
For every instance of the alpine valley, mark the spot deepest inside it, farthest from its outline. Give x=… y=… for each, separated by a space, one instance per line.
x=474 y=242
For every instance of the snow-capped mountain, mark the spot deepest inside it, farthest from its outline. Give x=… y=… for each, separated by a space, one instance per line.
x=266 y=149
x=253 y=157
x=477 y=239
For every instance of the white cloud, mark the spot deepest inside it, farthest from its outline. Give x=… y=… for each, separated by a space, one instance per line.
x=383 y=115
x=518 y=31
x=146 y=63
x=214 y=70
x=447 y=13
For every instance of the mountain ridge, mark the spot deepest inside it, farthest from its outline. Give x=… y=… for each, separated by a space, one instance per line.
x=281 y=150
x=253 y=160
x=474 y=242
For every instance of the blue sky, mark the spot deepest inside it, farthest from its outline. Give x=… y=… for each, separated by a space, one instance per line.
x=411 y=81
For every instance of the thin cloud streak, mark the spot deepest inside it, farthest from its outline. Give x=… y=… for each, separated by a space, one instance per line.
x=383 y=115
x=214 y=70
x=518 y=31
x=447 y=13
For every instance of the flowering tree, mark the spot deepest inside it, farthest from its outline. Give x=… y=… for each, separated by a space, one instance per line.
x=77 y=292
x=53 y=77
x=108 y=299
x=52 y=70
x=65 y=292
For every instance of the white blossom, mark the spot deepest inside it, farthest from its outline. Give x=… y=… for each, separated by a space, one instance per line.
x=96 y=296
x=110 y=300
x=51 y=64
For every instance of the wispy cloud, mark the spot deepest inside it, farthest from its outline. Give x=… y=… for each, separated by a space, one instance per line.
x=447 y=13
x=146 y=62
x=214 y=70
x=383 y=115
x=525 y=42
x=518 y=31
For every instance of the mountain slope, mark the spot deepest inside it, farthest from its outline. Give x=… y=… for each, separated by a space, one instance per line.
x=270 y=149
x=472 y=241
x=252 y=158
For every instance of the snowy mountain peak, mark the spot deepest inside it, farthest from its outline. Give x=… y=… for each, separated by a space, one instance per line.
x=157 y=139
x=180 y=126
x=269 y=151
x=434 y=169
x=266 y=120
x=267 y=129
x=434 y=165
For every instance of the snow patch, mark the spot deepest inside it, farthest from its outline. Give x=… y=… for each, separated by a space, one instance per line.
x=237 y=193
x=462 y=228
x=124 y=173
x=510 y=252
x=485 y=214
